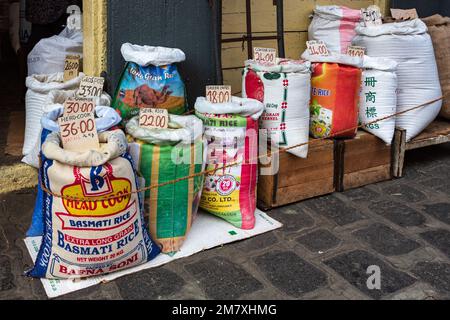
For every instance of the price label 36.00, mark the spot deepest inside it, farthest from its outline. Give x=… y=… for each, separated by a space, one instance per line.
x=317 y=48
x=153 y=118
x=79 y=132
x=218 y=94
x=91 y=87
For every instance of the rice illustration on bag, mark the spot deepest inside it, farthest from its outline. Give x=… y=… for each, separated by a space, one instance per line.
x=105 y=232
x=231 y=131
x=150 y=80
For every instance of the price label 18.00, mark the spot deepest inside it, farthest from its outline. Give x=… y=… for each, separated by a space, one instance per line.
x=218 y=94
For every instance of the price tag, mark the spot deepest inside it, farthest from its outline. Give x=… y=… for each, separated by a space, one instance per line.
x=218 y=94
x=354 y=51
x=153 y=118
x=78 y=132
x=91 y=87
x=78 y=105
x=71 y=67
x=372 y=16
x=317 y=48
x=409 y=14
x=265 y=56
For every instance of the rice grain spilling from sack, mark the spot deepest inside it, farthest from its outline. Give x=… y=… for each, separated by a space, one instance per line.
x=409 y=44
x=150 y=80
x=97 y=236
x=162 y=155
x=439 y=29
x=285 y=91
x=334 y=25
x=379 y=97
x=231 y=130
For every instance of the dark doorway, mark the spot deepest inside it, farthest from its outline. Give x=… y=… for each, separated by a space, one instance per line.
x=424 y=8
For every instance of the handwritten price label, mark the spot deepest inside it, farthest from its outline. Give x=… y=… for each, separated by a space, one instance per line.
x=91 y=87
x=78 y=105
x=409 y=14
x=265 y=56
x=71 y=67
x=218 y=94
x=78 y=132
x=354 y=51
x=372 y=16
x=317 y=48
x=153 y=118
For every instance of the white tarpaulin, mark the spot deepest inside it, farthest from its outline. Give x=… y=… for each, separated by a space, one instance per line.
x=207 y=232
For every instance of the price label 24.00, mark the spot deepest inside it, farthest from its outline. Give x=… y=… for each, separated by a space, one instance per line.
x=153 y=118
x=265 y=56
x=79 y=132
x=218 y=94
x=317 y=48
x=91 y=87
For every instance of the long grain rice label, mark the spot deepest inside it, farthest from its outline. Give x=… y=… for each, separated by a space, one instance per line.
x=153 y=118
x=218 y=94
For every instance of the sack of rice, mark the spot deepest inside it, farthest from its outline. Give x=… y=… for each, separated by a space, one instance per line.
x=231 y=131
x=162 y=155
x=97 y=226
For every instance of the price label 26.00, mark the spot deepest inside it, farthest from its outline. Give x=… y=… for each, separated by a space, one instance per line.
x=79 y=132
x=218 y=94
x=91 y=87
x=153 y=118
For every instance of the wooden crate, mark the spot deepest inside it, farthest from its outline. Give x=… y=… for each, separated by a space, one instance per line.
x=299 y=179
x=437 y=132
x=363 y=160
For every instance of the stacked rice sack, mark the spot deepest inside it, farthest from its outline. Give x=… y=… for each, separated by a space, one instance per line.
x=93 y=222
x=284 y=89
x=163 y=155
x=409 y=44
x=334 y=25
x=231 y=131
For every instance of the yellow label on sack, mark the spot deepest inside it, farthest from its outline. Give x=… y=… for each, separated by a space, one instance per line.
x=153 y=118
x=218 y=94
x=78 y=132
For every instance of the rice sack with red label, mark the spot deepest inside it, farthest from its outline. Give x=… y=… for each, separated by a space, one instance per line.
x=163 y=155
x=285 y=90
x=231 y=130
x=150 y=80
x=105 y=232
x=335 y=95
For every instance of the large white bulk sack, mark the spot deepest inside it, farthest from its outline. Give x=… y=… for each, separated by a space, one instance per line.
x=285 y=91
x=379 y=97
x=39 y=87
x=334 y=25
x=49 y=54
x=409 y=44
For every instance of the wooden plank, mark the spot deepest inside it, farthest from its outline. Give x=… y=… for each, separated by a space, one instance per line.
x=289 y=178
x=265 y=189
x=367 y=176
x=320 y=153
x=398 y=152
x=357 y=161
x=437 y=132
x=304 y=191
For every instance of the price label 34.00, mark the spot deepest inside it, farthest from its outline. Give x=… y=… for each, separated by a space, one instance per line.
x=153 y=118
x=218 y=94
x=317 y=48
x=91 y=87
x=79 y=132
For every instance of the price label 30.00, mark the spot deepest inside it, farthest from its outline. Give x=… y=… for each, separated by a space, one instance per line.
x=78 y=105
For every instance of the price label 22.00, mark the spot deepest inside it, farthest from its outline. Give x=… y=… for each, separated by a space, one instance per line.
x=218 y=94
x=79 y=132
x=153 y=118
x=91 y=87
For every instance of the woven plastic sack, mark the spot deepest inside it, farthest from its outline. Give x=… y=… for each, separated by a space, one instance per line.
x=39 y=87
x=150 y=80
x=162 y=155
x=285 y=91
x=106 y=118
x=335 y=95
x=99 y=235
x=49 y=54
x=409 y=44
x=439 y=29
x=379 y=97
x=334 y=25
x=231 y=130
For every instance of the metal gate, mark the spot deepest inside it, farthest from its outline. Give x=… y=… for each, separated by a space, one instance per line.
x=191 y=25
